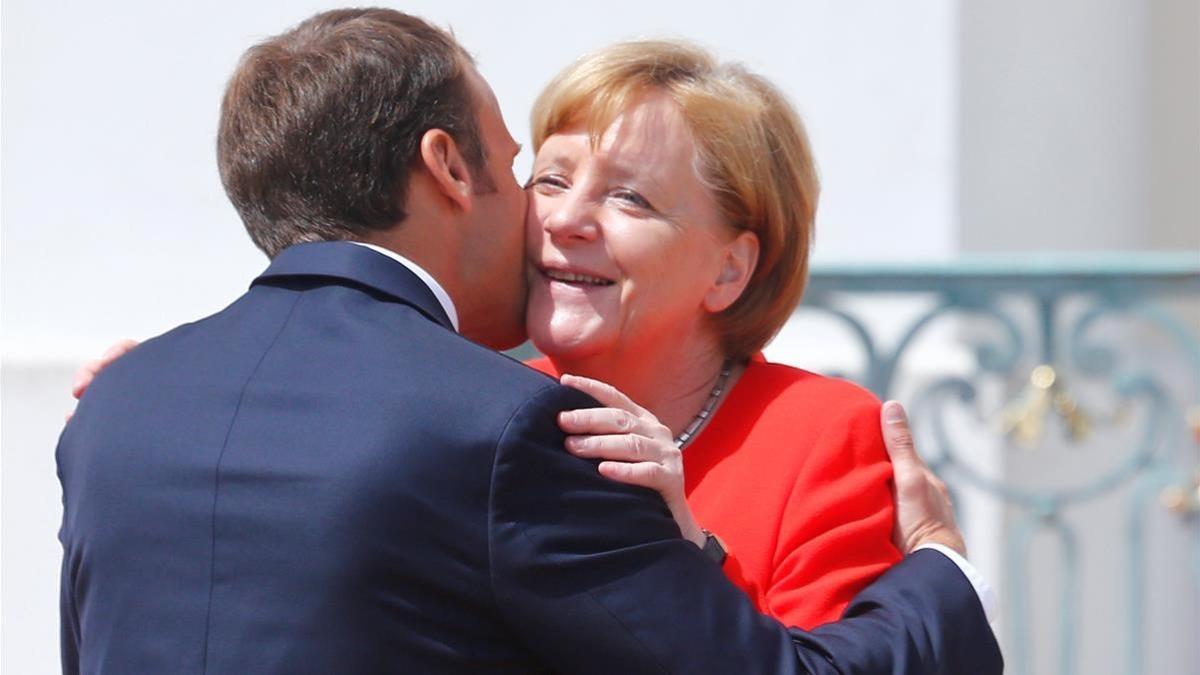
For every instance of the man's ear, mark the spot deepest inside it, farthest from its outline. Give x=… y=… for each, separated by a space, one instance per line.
x=738 y=265
x=447 y=167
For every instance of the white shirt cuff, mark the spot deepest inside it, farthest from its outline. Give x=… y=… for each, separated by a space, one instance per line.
x=987 y=597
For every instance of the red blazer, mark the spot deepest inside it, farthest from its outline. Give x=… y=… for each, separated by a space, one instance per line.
x=792 y=474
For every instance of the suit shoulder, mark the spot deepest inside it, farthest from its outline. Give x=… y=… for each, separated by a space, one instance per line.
x=478 y=362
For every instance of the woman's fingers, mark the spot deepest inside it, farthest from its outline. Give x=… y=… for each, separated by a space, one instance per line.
x=602 y=392
x=84 y=376
x=635 y=447
x=650 y=475
x=599 y=421
x=118 y=350
x=617 y=447
x=88 y=371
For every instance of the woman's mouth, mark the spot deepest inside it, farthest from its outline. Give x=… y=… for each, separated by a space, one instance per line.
x=576 y=278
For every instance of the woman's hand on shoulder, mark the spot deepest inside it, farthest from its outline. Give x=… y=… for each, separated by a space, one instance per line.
x=633 y=446
x=88 y=371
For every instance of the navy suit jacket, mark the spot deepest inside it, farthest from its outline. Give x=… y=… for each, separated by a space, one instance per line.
x=324 y=478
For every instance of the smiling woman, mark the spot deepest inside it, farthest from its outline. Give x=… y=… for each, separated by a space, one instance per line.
x=670 y=220
x=628 y=245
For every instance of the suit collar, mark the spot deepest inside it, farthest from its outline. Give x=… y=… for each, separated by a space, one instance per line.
x=358 y=264
x=426 y=278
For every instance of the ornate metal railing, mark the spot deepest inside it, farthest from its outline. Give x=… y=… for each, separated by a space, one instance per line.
x=1071 y=346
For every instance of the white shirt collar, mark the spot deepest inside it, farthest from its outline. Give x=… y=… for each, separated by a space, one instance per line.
x=440 y=293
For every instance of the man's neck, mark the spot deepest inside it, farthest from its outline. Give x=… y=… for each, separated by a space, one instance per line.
x=420 y=240
x=412 y=240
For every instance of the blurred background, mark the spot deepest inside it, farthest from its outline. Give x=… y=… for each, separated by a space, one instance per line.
x=1008 y=240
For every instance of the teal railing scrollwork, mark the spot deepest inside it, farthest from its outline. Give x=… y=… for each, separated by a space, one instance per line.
x=1057 y=331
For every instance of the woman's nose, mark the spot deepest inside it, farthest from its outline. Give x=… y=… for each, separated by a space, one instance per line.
x=571 y=220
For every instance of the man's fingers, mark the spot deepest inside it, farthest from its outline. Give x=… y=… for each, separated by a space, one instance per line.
x=939 y=485
x=896 y=434
x=912 y=476
x=924 y=512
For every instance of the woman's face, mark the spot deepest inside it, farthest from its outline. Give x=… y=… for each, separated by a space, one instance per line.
x=625 y=241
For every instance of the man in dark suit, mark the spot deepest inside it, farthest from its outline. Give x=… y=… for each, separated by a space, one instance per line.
x=329 y=476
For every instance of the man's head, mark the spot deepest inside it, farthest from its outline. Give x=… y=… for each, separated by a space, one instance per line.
x=369 y=125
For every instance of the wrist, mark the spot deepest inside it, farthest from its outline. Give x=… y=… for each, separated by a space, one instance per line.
x=950 y=540
x=695 y=534
x=689 y=529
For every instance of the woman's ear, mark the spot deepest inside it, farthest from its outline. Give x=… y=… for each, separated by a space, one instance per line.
x=738 y=265
x=447 y=167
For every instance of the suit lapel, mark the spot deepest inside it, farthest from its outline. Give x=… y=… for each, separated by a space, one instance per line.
x=358 y=264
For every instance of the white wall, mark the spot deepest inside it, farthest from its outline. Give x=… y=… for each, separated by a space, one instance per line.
x=1080 y=125
x=31 y=507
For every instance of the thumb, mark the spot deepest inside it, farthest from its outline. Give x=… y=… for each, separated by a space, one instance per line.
x=896 y=434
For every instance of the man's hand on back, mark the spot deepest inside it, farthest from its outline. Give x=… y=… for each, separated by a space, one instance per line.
x=924 y=514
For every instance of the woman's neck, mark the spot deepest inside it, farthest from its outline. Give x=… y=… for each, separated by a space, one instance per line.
x=673 y=380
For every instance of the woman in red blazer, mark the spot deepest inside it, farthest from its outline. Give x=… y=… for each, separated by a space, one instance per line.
x=670 y=220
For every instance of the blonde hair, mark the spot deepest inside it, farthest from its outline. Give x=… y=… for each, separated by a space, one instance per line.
x=752 y=152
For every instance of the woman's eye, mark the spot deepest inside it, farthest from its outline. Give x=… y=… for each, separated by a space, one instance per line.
x=548 y=181
x=633 y=198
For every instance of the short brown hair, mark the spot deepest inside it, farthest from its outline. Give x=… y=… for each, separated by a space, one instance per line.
x=321 y=125
x=752 y=152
